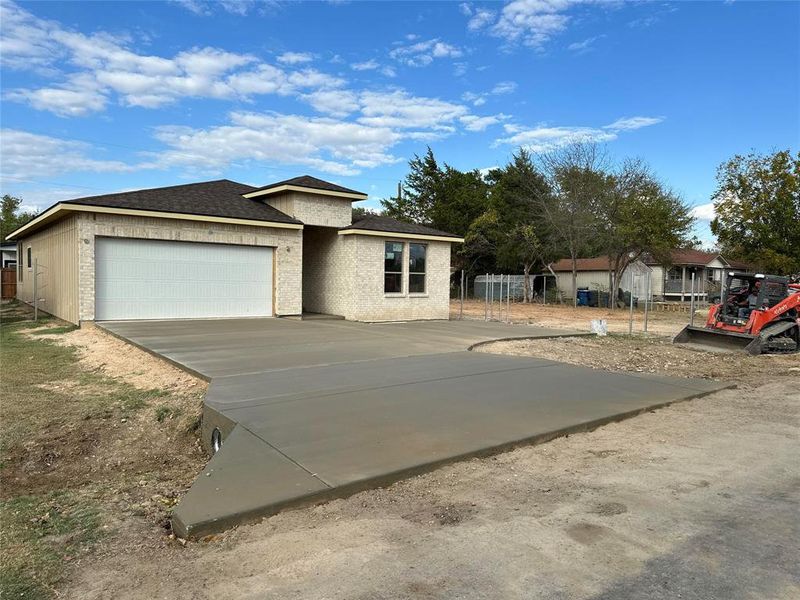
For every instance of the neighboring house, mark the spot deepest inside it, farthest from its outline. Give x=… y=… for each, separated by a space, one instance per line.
x=674 y=282
x=592 y=273
x=225 y=249
x=667 y=283
x=8 y=255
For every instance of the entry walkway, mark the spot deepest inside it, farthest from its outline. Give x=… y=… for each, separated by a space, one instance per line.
x=312 y=410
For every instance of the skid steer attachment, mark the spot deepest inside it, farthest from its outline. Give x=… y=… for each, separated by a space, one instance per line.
x=704 y=338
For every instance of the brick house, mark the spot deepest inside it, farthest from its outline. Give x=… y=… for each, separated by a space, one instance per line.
x=225 y=249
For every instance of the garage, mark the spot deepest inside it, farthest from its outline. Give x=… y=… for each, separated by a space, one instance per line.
x=158 y=279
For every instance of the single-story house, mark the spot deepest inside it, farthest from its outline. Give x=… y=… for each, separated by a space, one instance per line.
x=225 y=249
x=672 y=282
x=8 y=255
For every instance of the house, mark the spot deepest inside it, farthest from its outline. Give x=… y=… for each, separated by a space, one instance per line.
x=225 y=249
x=671 y=282
x=592 y=274
x=8 y=255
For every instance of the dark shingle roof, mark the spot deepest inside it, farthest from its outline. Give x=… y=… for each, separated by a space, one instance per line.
x=221 y=198
x=307 y=181
x=388 y=224
x=686 y=256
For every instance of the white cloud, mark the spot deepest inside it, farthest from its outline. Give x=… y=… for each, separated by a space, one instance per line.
x=630 y=123
x=368 y=65
x=401 y=110
x=476 y=123
x=205 y=8
x=295 y=58
x=532 y=22
x=585 y=45
x=389 y=71
x=704 y=212
x=338 y=103
x=504 y=87
x=544 y=138
x=31 y=155
x=330 y=145
x=421 y=54
x=480 y=19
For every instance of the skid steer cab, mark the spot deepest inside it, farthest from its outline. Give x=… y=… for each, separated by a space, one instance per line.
x=756 y=313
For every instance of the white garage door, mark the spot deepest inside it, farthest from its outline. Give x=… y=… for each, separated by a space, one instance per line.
x=153 y=279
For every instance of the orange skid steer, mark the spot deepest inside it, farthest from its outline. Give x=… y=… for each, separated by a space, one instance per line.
x=756 y=313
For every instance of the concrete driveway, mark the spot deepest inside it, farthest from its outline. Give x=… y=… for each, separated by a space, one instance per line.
x=311 y=410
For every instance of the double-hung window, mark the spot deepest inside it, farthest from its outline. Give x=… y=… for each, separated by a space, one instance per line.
x=416 y=268
x=393 y=268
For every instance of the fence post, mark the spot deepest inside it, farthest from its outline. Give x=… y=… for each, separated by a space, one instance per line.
x=461 y=310
x=35 y=289
x=544 y=293
x=508 y=299
x=691 y=303
x=630 y=313
x=486 y=299
x=648 y=298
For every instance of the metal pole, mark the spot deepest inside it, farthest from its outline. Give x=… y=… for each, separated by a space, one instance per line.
x=486 y=300
x=691 y=303
x=461 y=310
x=648 y=299
x=35 y=289
x=544 y=293
x=508 y=299
x=491 y=301
x=630 y=314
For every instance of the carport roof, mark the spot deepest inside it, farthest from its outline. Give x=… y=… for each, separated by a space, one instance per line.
x=219 y=199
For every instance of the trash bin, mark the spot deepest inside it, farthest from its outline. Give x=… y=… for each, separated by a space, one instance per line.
x=583 y=297
x=592 y=298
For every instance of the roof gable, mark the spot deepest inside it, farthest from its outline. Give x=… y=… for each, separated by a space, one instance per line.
x=309 y=183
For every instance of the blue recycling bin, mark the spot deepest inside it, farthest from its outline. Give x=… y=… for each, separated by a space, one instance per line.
x=583 y=297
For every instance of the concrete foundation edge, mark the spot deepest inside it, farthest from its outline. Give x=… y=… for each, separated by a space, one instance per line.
x=218 y=525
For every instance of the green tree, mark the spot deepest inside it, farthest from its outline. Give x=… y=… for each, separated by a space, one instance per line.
x=638 y=215
x=415 y=204
x=757 y=205
x=10 y=217
x=359 y=212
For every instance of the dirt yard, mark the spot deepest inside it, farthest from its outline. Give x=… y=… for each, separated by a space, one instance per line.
x=98 y=441
x=697 y=500
x=568 y=317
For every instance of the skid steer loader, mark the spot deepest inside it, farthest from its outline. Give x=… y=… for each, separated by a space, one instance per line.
x=756 y=313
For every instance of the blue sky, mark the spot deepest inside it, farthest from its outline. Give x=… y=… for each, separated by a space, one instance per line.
x=101 y=97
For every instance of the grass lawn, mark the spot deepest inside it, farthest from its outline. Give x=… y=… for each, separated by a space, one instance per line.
x=76 y=464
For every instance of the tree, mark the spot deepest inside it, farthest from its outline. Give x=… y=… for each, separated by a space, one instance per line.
x=359 y=212
x=519 y=191
x=577 y=180
x=420 y=188
x=639 y=215
x=757 y=205
x=10 y=217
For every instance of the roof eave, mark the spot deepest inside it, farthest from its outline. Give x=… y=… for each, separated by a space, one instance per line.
x=309 y=190
x=400 y=235
x=63 y=209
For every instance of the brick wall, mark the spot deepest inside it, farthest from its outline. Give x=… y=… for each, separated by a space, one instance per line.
x=314 y=209
x=288 y=244
x=343 y=275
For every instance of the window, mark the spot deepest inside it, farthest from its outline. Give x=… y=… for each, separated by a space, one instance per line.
x=30 y=259
x=393 y=268
x=416 y=268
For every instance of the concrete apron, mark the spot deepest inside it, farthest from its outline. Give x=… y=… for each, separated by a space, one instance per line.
x=318 y=428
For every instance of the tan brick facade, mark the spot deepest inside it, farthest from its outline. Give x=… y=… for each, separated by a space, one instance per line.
x=288 y=253
x=314 y=209
x=343 y=275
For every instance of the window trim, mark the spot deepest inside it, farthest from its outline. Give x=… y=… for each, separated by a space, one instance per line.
x=401 y=272
x=424 y=273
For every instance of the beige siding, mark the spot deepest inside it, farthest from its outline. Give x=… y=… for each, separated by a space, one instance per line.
x=288 y=253
x=56 y=251
x=314 y=209
x=594 y=280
